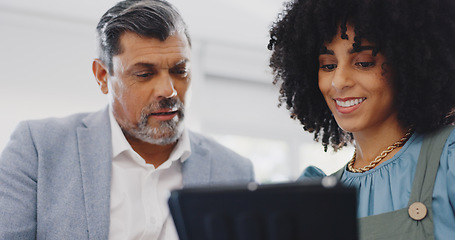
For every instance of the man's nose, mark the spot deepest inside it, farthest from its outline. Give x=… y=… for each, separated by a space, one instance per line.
x=164 y=87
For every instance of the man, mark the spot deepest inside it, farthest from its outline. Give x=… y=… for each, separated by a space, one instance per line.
x=107 y=175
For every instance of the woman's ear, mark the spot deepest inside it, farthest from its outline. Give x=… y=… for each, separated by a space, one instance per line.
x=101 y=74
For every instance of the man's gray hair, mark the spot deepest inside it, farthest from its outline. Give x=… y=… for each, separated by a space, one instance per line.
x=149 y=18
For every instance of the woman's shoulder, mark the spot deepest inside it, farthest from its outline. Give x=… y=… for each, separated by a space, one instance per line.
x=448 y=152
x=445 y=134
x=451 y=138
x=311 y=172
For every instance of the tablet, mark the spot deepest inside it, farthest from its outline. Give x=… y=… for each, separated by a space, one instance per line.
x=320 y=209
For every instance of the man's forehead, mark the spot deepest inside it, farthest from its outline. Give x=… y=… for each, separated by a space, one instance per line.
x=175 y=48
x=131 y=37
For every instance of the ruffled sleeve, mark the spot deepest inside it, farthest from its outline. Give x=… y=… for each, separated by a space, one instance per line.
x=311 y=172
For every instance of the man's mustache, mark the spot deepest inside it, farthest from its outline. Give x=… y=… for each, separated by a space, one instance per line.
x=166 y=103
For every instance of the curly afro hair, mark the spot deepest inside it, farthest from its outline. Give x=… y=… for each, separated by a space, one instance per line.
x=417 y=38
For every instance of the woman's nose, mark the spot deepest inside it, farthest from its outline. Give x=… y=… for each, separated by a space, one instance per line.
x=342 y=78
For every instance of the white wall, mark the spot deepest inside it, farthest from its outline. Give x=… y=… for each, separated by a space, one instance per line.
x=47 y=47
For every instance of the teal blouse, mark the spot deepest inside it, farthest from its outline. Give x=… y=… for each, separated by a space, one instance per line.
x=387 y=187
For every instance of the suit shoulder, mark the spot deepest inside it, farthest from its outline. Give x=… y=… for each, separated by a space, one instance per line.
x=219 y=153
x=227 y=166
x=52 y=129
x=59 y=123
x=212 y=145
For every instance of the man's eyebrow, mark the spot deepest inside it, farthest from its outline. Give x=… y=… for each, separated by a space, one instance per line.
x=144 y=65
x=151 y=65
x=181 y=62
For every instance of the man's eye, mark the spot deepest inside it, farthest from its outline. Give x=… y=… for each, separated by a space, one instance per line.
x=328 y=67
x=182 y=72
x=144 y=75
x=365 y=64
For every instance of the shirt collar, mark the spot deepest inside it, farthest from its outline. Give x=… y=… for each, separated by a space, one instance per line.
x=181 y=151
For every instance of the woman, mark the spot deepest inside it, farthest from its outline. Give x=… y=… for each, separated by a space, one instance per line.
x=379 y=75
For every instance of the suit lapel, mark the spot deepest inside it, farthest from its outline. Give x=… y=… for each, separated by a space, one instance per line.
x=95 y=151
x=196 y=169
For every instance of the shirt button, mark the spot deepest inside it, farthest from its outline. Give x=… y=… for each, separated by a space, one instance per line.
x=417 y=211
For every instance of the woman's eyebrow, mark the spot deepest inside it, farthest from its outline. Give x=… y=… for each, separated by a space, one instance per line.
x=326 y=51
x=350 y=51
x=362 y=48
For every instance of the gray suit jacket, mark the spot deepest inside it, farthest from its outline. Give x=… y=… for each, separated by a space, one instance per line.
x=55 y=176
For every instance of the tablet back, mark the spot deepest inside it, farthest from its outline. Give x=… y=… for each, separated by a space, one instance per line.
x=293 y=211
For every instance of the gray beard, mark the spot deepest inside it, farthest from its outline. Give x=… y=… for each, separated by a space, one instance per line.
x=168 y=132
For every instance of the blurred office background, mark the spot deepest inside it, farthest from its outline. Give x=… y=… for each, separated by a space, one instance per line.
x=47 y=47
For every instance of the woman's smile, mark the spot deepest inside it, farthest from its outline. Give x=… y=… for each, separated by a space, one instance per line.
x=348 y=105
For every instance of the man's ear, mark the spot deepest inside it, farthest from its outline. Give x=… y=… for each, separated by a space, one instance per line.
x=101 y=74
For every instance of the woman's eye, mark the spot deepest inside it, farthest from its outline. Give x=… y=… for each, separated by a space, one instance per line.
x=328 y=67
x=365 y=64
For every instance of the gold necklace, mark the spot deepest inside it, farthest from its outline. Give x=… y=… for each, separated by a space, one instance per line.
x=381 y=156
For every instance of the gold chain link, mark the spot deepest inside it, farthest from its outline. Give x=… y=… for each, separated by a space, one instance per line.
x=381 y=156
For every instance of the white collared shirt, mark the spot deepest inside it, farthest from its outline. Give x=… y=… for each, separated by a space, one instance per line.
x=139 y=191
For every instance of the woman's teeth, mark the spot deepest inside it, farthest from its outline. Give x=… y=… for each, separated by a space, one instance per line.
x=350 y=103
